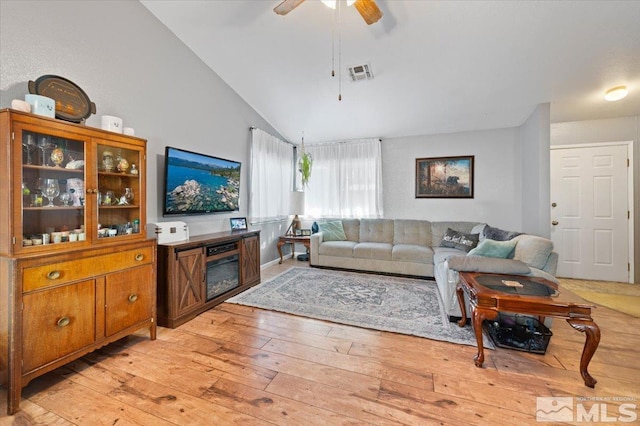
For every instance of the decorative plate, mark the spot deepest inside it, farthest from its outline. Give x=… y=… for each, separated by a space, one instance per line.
x=72 y=103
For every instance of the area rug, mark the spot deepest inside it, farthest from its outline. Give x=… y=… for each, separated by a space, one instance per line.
x=379 y=302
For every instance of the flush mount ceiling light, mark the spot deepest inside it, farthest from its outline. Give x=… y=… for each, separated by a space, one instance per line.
x=616 y=93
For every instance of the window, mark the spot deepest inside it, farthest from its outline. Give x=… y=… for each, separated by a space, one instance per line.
x=346 y=180
x=271 y=177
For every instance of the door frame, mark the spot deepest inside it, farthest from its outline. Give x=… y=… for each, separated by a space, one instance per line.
x=630 y=198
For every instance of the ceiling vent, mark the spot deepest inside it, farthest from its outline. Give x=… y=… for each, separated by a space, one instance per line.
x=360 y=72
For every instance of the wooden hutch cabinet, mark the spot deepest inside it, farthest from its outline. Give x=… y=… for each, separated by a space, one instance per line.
x=195 y=275
x=76 y=269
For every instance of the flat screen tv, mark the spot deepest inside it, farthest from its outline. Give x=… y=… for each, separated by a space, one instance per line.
x=198 y=183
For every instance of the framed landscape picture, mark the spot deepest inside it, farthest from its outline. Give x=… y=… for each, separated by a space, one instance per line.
x=444 y=177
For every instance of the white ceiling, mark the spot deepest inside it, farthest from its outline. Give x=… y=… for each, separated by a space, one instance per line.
x=439 y=66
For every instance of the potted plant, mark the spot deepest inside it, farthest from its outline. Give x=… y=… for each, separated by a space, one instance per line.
x=304 y=166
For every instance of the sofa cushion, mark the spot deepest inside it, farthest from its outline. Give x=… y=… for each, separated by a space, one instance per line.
x=412 y=253
x=376 y=230
x=440 y=254
x=487 y=264
x=479 y=229
x=492 y=248
x=498 y=234
x=412 y=232
x=332 y=231
x=532 y=250
x=459 y=240
x=368 y=250
x=351 y=229
x=337 y=248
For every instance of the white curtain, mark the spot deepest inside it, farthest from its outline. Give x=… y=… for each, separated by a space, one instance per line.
x=346 y=180
x=271 y=177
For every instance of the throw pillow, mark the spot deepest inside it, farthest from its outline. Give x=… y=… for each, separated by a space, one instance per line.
x=459 y=240
x=498 y=234
x=492 y=248
x=332 y=231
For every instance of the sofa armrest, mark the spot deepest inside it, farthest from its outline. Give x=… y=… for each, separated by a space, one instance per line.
x=316 y=240
x=490 y=265
x=552 y=263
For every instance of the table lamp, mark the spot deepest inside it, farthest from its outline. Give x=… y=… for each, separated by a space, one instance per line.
x=296 y=207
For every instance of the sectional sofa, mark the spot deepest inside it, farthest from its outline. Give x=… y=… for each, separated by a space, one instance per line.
x=430 y=250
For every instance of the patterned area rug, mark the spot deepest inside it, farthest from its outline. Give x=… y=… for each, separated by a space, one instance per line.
x=401 y=305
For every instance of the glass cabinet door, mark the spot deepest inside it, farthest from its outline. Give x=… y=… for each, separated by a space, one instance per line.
x=118 y=198
x=51 y=197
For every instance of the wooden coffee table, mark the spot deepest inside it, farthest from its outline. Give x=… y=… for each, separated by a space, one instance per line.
x=490 y=293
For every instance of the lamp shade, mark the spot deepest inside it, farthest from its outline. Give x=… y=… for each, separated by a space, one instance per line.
x=296 y=203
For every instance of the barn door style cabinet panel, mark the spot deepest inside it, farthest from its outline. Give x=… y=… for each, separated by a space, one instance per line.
x=76 y=270
x=195 y=275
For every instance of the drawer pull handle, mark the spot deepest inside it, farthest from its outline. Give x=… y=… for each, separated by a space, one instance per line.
x=63 y=322
x=133 y=298
x=139 y=257
x=53 y=275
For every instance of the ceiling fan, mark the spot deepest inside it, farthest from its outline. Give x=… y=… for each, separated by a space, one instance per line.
x=368 y=9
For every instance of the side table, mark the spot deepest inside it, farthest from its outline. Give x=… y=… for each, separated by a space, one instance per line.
x=293 y=239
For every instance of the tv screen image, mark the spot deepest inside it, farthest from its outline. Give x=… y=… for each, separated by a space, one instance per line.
x=198 y=183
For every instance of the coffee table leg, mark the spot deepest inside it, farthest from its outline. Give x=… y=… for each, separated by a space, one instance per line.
x=592 y=340
x=479 y=316
x=460 y=294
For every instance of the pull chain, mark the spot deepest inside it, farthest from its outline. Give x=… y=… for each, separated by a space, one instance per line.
x=339 y=51
x=333 y=44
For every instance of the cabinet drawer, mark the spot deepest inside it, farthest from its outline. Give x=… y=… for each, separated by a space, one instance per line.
x=57 y=322
x=73 y=270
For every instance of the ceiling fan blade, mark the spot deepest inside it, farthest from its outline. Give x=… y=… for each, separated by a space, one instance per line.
x=287 y=6
x=368 y=10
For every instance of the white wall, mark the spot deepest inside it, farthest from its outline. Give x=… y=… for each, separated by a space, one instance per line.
x=497 y=198
x=621 y=129
x=534 y=139
x=133 y=67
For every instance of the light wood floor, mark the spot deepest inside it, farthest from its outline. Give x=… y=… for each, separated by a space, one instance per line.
x=239 y=365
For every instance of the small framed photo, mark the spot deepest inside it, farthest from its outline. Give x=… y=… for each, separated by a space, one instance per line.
x=444 y=177
x=298 y=232
x=238 y=223
x=305 y=232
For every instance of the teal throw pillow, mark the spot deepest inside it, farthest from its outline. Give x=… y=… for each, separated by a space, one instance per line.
x=493 y=248
x=332 y=231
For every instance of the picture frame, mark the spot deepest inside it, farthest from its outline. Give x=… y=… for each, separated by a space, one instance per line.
x=445 y=177
x=238 y=223
x=305 y=232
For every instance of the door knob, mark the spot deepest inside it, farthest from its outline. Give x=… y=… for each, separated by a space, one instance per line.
x=555 y=222
x=554 y=204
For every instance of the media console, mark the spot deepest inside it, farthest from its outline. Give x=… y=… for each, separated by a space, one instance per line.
x=195 y=275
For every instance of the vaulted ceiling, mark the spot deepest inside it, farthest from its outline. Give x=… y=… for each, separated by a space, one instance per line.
x=438 y=66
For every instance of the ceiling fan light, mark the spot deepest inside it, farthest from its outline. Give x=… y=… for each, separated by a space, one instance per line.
x=331 y=4
x=616 y=93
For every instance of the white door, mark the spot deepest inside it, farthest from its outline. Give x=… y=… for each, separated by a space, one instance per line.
x=589 y=208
